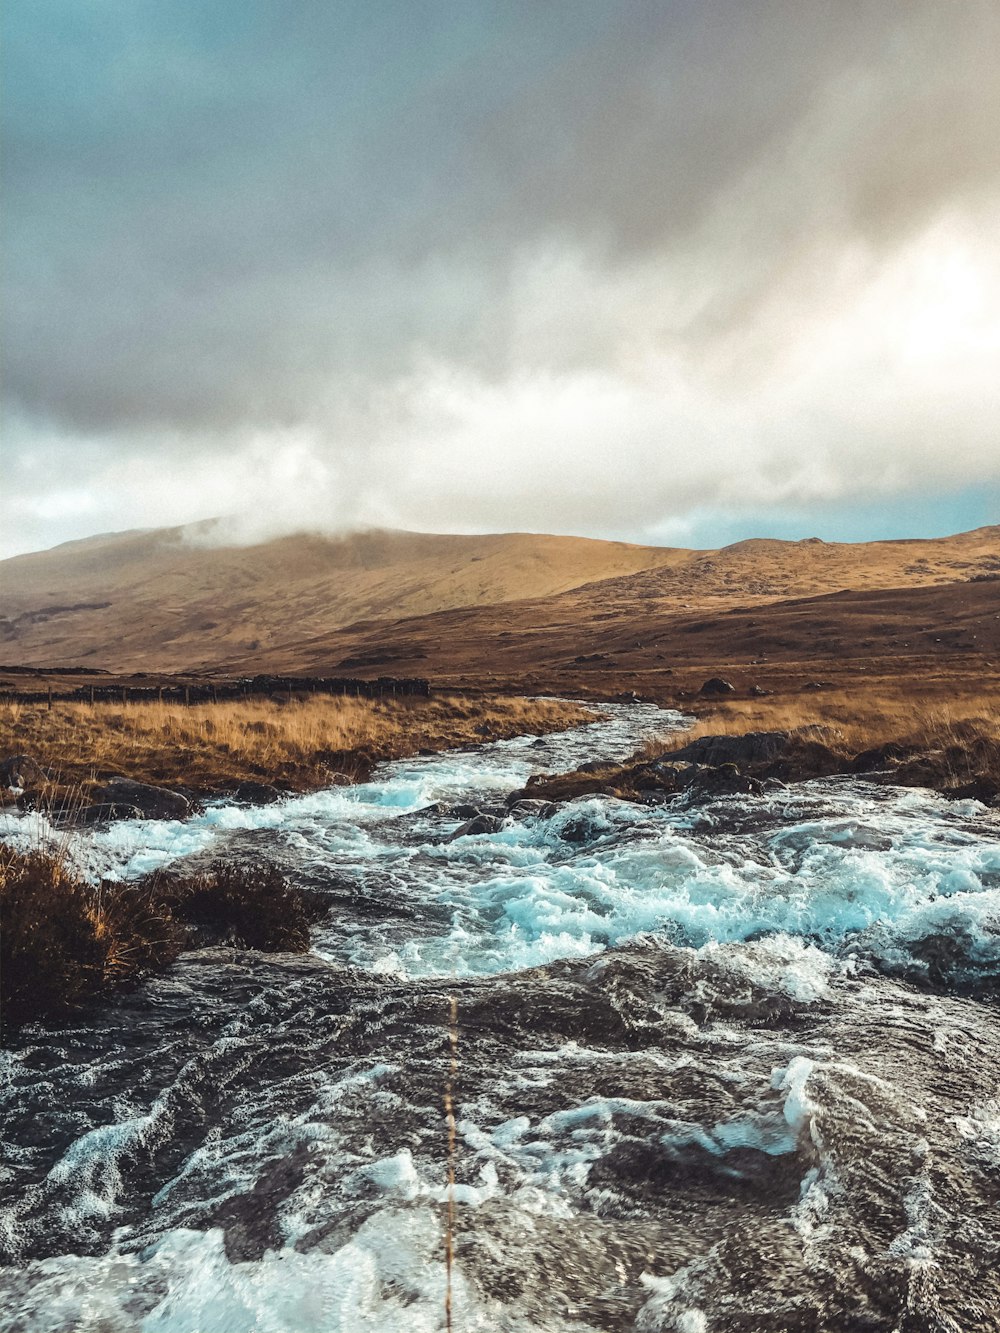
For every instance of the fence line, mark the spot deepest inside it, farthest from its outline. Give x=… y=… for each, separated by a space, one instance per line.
x=215 y=691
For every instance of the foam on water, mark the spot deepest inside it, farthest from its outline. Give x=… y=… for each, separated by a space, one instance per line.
x=853 y=867
x=779 y=905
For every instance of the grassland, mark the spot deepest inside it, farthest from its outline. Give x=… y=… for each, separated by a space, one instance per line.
x=296 y=745
x=861 y=716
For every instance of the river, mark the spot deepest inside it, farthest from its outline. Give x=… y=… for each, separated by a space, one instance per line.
x=723 y=1064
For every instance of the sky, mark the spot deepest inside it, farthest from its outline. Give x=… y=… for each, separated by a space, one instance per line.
x=679 y=272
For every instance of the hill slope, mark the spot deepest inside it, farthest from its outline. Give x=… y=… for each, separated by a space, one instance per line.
x=162 y=601
x=142 y=600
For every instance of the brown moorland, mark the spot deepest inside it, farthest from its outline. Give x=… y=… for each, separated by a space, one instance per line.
x=909 y=646
x=390 y=601
x=177 y=599
x=295 y=745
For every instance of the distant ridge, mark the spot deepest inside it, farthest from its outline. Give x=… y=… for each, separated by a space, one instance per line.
x=152 y=600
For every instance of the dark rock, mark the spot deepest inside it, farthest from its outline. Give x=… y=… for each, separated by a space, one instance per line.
x=153 y=802
x=716 y=685
x=530 y=809
x=465 y=811
x=480 y=824
x=818 y=685
x=755 y=747
x=722 y=780
x=577 y=830
x=107 y=813
x=256 y=793
x=880 y=757
x=983 y=788
x=759 y=692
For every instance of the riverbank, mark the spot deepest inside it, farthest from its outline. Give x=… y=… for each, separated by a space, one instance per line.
x=912 y=737
x=288 y=745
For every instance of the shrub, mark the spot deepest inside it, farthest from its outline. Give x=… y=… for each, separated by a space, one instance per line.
x=249 y=905
x=63 y=941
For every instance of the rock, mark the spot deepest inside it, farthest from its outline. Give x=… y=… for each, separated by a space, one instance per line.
x=759 y=692
x=577 y=830
x=754 y=747
x=983 y=788
x=108 y=812
x=465 y=811
x=722 y=780
x=716 y=685
x=256 y=793
x=881 y=757
x=152 y=802
x=20 y=770
x=531 y=809
x=818 y=685
x=480 y=824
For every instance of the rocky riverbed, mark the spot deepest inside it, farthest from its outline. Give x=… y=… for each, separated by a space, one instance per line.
x=727 y=1061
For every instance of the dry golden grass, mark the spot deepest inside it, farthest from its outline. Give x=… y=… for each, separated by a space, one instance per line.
x=297 y=744
x=860 y=718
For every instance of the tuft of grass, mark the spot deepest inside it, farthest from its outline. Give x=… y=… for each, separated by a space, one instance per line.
x=249 y=906
x=63 y=941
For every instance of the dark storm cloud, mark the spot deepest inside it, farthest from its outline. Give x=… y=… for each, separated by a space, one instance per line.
x=227 y=218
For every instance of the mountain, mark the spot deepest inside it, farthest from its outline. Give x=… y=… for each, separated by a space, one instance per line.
x=169 y=600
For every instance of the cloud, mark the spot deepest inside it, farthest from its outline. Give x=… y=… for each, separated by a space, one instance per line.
x=453 y=266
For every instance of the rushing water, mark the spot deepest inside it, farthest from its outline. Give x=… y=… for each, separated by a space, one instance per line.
x=726 y=1064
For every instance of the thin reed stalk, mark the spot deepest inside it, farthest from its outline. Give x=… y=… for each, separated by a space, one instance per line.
x=449 y=1110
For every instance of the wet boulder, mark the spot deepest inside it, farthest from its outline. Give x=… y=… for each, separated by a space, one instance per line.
x=532 y=809
x=478 y=824
x=465 y=810
x=721 y=780
x=152 y=802
x=256 y=793
x=108 y=812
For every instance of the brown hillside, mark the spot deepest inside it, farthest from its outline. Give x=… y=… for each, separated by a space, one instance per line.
x=588 y=636
x=407 y=602
x=157 y=600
